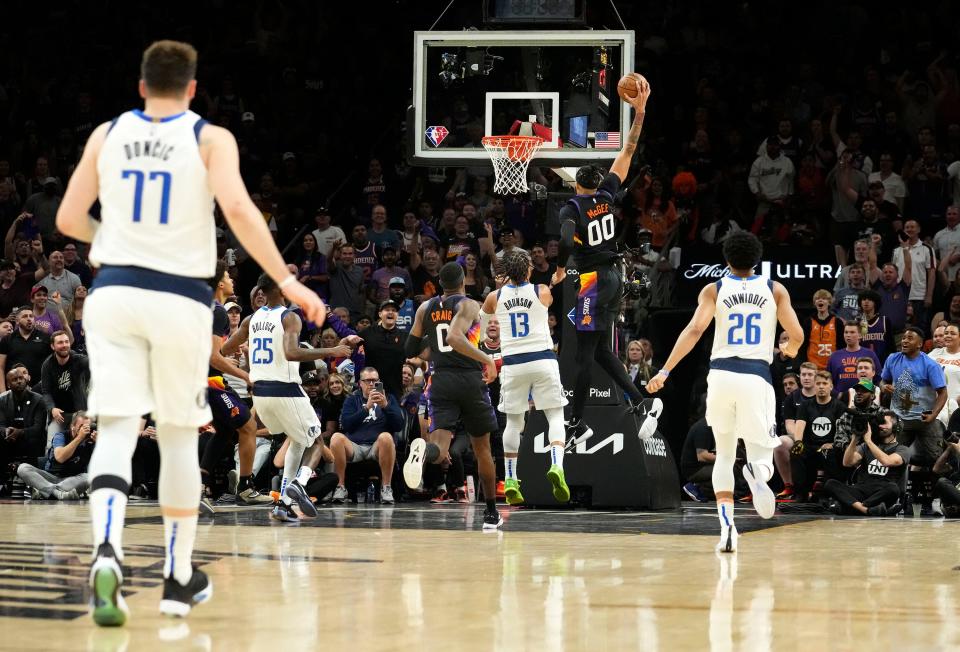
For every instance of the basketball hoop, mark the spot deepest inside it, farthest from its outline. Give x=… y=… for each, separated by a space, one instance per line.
x=511 y=155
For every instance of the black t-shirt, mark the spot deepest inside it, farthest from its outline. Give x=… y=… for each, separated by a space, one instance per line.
x=594 y=243
x=699 y=437
x=792 y=403
x=873 y=471
x=330 y=407
x=17 y=294
x=31 y=352
x=543 y=278
x=821 y=421
x=425 y=283
x=221 y=328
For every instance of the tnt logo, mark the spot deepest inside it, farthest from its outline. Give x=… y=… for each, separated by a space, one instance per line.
x=436 y=134
x=822 y=426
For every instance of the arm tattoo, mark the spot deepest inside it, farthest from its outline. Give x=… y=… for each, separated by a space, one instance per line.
x=634 y=135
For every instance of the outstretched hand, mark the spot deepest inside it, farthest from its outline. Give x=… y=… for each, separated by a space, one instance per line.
x=643 y=93
x=312 y=305
x=558 y=276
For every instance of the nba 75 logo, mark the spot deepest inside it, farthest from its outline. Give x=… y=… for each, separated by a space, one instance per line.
x=436 y=134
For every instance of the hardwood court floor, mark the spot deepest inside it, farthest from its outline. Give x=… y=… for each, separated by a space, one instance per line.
x=424 y=577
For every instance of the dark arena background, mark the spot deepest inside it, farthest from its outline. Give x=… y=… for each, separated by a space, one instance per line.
x=829 y=130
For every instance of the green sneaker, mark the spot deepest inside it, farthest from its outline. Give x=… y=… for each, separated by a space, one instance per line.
x=560 y=489
x=511 y=489
x=106 y=578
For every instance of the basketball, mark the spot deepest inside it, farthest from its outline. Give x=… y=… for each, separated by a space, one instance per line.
x=627 y=87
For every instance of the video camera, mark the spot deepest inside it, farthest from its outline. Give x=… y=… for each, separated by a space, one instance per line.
x=860 y=421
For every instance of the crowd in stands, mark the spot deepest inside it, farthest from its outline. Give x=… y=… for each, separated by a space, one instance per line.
x=855 y=148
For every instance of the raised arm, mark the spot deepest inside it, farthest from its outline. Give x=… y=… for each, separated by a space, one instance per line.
x=621 y=165
x=689 y=336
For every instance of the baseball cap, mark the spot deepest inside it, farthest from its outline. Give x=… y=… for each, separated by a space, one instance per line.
x=38 y=288
x=310 y=377
x=247 y=117
x=387 y=304
x=289 y=156
x=323 y=210
x=230 y=305
x=865 y=385
x=396 y=280
x=50 y=180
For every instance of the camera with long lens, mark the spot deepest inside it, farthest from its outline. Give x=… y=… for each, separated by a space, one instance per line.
x=861 y=420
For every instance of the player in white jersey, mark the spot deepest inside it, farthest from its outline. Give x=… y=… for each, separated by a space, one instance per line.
x=740 y=397
x=156 y=173
x=275 y=356
x=529 y=368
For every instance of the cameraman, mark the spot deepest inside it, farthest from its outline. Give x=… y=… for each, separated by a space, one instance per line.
x=882 y=464
x=853 y=422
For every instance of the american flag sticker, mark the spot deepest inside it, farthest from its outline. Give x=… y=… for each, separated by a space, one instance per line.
x=436 y=134
x=607 y=140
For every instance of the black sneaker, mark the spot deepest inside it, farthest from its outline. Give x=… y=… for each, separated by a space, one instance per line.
x=106 y=580
x=296 y=492
x=577 y=431
x=877 y=510
x=178 y=599
x=491 y=520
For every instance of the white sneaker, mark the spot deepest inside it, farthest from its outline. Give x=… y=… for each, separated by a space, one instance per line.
x=728 y=539
x=763 y=499
x=413 y=467
x=649 y=426
x=386 y=495
x=340 y=494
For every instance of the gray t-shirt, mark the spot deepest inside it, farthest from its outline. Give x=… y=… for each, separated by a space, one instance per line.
x=346 y=290
x=845 y=210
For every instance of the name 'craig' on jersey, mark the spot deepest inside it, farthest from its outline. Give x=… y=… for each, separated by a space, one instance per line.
x=268 y=360
x=440 y=312
x=524 y=325
x=156 y=204
x=745 y=321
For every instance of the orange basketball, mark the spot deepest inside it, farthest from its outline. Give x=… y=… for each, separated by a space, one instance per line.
x=627 y=87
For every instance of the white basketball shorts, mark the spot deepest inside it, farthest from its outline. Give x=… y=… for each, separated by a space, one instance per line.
x=149 y=352
x=292 y=416
x=743 y=405
x=539 y=378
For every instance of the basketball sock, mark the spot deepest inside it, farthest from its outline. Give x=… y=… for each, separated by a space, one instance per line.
x=291 y=466
x=179 y=490
x=557 y=434
x=725 y=513
x=510 y=467
x=110 y=475
x=303 y=475
x=432 y=453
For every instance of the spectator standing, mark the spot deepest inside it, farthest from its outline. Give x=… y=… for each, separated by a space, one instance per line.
x=383 y=347
x=346 y=281
x=15 y=286
x=73 y=263
x=894 y=189
x=59 y=279
x=381 y=279
x=771 y=177
x=948 y=358
x=379 y=233
x=64 y=476
x=894 y=293
x=326 y=235
x=364 y=251
x=846 y=301
x=946 y=243
x=865 y=258
x=927 y=185
x=64 y=381
x=475 y=282
x=462 y=241
x=26 y=345
x=407 y=307
x=426 y=275
x=43 y=206
x=543 y=269
x=923 y=269
x=367 y=423
x=919 y=392
x=311 y=266
x=22 y=419
x=374 y=190
x=843 y=363
x=875 y=331
x=821 y=331
x=848 y=185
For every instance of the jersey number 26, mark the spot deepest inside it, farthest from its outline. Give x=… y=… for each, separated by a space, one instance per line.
x=741 y=329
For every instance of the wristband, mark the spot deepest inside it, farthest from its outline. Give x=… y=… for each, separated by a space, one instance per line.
x=664 y=372
x=287 y=281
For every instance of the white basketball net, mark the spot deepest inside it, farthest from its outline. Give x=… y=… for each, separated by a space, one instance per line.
x=511 y=155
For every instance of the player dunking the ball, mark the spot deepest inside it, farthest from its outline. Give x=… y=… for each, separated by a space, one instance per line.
x=156 y=173
x=587 y=236
x=450 y=324
x=529 y=367
x=740 y=397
